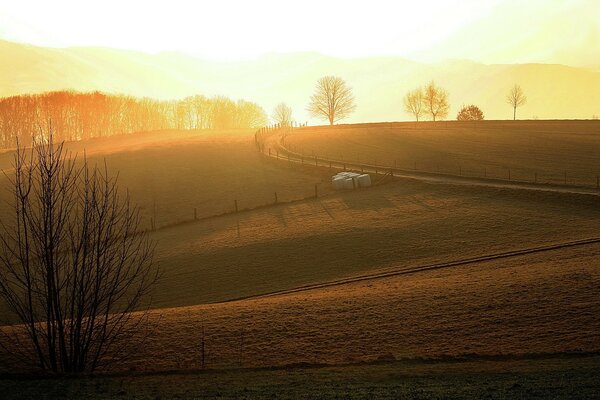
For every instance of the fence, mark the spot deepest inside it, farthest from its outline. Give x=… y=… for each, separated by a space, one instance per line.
x=272 y=142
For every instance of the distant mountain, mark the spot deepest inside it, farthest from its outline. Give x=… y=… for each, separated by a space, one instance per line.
x=553 y=91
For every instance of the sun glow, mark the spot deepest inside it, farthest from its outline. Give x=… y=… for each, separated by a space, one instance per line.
x=240 y=29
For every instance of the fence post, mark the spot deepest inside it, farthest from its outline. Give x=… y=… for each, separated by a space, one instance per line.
x=202 y=350
x=242 y=347
x=275 y=197
x=316 y=161
x=344 y=167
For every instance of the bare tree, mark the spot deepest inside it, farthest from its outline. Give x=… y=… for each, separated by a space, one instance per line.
x=333 y=100
x=516 y=98
x=249 y=115
x=435 y=100
x=282 y=115
x=73 y=264
x=413 y=103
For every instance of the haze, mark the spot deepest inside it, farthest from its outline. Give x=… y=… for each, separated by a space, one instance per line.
x=492 y=31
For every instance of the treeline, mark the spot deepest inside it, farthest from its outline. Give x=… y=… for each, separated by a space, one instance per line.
x=77 y=116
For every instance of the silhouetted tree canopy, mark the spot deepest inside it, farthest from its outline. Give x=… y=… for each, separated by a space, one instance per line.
x=470 y=113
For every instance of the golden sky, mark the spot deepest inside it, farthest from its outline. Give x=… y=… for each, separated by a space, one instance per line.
x=489 y=31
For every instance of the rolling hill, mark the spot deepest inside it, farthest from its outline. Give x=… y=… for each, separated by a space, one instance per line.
x=554 y=91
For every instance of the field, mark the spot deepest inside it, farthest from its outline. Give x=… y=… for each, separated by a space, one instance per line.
x=171 y=173
x=233 y=276
x=401 y=224
x=529 y=305
x=542 y=151
x=525 y=379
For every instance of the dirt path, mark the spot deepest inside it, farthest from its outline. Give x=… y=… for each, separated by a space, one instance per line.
x=404 y=270
x=273 y=146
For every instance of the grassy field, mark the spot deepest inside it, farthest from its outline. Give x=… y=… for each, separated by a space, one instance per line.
x=536 y=306
x=560 y=378
x=169 y=173
x=405 y=223
x=531 y=150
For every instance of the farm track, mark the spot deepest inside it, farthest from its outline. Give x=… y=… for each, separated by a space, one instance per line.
x=273 y=147
x=397 y=271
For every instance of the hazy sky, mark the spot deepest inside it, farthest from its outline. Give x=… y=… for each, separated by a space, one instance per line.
x=503 y=31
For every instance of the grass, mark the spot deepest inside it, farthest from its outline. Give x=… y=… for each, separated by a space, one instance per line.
x=562 y=378
x=530 y=150
x=543 y=303
x=528 y=309
x=406 y=223
x=171 y=173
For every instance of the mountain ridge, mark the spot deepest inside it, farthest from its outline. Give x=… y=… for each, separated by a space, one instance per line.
x=379 y=83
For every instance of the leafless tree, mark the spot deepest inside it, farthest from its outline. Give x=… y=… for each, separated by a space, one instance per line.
x=413 y=103
x=435 y=100
x=73 y=264
x=282 y=115
x=249 y=115
x=333 y=100
x=516 y=98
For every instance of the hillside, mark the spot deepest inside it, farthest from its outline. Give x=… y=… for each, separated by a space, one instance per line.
x=401 y=224
x=529 y=151
x=554 y=91
x=536 y=311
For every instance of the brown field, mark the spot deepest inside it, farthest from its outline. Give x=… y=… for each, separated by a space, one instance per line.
x=169 y=173
x=535 y=305
x=401 y=224
x=556 y=378
x=483 y=148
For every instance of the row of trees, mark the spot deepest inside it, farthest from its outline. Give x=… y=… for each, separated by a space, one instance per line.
x=432 y=101
x=77 y=116
x=333 y=100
